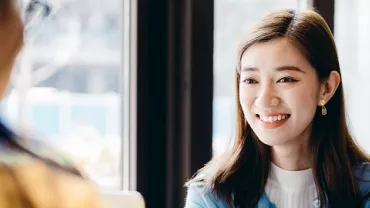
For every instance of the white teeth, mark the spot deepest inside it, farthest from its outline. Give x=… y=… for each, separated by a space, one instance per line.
x=271 y=119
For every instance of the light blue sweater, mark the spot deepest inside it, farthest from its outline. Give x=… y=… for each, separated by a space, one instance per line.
x=200 y=197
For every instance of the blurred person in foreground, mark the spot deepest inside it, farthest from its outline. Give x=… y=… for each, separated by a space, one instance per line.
x=28 y=179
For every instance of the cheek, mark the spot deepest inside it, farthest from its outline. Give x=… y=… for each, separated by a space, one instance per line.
x=304 y=102
x=245 y=99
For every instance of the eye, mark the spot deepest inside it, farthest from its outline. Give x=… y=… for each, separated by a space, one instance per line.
x=250 y=81
x=287 y=79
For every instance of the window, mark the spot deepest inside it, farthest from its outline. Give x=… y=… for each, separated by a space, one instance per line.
x=233 y=18
x=352 y=32
x=67 y=86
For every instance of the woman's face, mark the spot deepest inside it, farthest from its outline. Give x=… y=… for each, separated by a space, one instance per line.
x=279 y=92
x=11 y=41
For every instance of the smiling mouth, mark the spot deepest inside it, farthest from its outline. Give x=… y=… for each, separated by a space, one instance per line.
x=273 y=119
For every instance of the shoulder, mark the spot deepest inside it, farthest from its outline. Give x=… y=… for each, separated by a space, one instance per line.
x=362 y=175
x=43 y=185
x=72 y=187
x=199 y=196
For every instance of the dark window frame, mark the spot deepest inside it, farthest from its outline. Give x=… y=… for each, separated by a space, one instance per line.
x=174 y=96
x=326 y=9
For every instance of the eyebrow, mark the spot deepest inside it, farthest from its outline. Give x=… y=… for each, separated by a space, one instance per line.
x=280 y=68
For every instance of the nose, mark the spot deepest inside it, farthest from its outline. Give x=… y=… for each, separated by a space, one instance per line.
x=267 y=97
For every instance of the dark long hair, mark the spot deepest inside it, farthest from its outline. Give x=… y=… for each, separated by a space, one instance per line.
x=240 y=174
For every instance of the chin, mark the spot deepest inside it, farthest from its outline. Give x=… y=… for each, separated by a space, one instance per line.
x=273 y=140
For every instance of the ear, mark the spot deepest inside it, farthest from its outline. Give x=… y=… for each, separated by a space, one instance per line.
x=329 y=87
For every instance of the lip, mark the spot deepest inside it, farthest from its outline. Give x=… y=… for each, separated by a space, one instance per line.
x=273 y=125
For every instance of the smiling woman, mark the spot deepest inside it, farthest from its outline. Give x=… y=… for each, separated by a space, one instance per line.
x=283 y=83
x=293 y=147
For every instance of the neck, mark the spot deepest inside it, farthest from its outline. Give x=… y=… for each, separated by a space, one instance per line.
x=292 y=157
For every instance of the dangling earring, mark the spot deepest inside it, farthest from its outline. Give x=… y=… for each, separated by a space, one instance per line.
x=323 y=109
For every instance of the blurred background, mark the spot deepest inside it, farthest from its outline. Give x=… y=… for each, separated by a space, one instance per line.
x=127 y=89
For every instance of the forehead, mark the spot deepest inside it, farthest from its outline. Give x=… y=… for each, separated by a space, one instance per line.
x=274 y=53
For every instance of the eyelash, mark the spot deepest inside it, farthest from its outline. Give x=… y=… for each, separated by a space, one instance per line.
x=287 y=79
x=282 y=80
x=250 y=81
